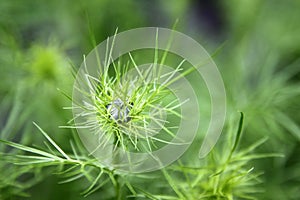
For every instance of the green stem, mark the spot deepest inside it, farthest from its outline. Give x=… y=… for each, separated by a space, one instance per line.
x=118 y=188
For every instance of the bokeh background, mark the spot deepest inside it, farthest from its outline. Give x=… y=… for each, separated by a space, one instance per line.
x=255 y=44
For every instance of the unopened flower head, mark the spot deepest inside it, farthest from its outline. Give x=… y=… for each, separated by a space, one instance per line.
x=136 y=116
x=131 y=108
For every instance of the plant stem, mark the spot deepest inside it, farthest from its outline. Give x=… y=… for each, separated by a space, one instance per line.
x=118 y=188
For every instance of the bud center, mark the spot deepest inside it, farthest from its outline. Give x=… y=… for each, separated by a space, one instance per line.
x=119 y=111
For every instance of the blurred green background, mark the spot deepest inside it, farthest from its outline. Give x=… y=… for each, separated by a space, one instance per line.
x=255 y=44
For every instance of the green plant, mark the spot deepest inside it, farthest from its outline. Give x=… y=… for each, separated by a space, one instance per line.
x=121 y=103
x=125 y=104
x=265 y=59
x=71 y=167
x=226 y=173
x=108 y=94
x=19 y=100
